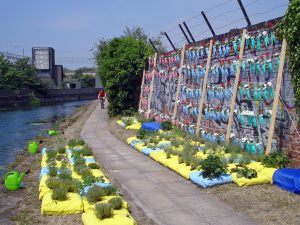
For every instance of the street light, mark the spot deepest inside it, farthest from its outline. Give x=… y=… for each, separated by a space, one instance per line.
x=18 y=46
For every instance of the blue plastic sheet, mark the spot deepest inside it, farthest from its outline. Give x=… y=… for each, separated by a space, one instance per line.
x=197 y=178
x=288 y=179
x=152 y=126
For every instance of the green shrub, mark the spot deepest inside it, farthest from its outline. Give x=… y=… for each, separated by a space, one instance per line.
x=212 y=167
x=75 y=142
x=167 y=125
x=60 y=193
x=53 y=182
x=59 y=157
x=79 y=161
x=142 y=134
x=85 y=172
x=110 y=190
x=61 y=150
x=116 y=202
x=168 y=152
x=73 y=185
x=63 y=164
x=52 y=171
x=233 y=148
x=276 y=159
x=195 y=162
x=103 y=210
x=127 y=121
x=50 y=154
x=94 y=166
x=65 y=174
x=95 y=194
x=79 y=167
x=86 y=151
x=246 y=172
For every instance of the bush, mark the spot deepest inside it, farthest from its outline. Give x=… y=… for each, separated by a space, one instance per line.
x=110 y=190
x=53 y=182
x=59 y=157
x=127 y=121
x=61 y=150
x=50 y=154
x=95 y=194
x=73 y=185
x=212 y=167
x=86 y=151
x=246 y=172
x=167 y=125
x=75 y=142
x=276 y=159
x=65 y=174
x=116 y=202
x=142 y=134
x=60 y=193
x=94 y=166
x=103 y=210
x=128 y=56
x=52 y=171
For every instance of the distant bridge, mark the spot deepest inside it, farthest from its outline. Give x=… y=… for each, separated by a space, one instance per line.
x=14 y=57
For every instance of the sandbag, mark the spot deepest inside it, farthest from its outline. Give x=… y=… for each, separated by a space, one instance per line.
x=121 y=123
x=72 y=205
x=130 y=139
x=147 y=151
x=151 y=126
x=260 y=179
x=197 y=178
x=43 y=188
x=135 y=126
x=91 y=206
x=287 y=179
x=140 y=146
x=184 y=170
x=172 y=162
x=99 y=173
x=159 y=156
x=119 y=218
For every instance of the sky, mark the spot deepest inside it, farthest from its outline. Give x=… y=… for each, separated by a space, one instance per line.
x=72 y=27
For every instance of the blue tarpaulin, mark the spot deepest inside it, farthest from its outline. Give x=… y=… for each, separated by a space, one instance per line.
x=197 y=178
x=288 y=179
x=152 y=126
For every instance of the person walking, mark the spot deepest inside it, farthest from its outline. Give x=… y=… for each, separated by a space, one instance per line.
x=101 y=97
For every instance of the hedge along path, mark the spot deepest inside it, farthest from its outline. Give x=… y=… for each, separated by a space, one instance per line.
x=179 y=83
x=235 y=87
x=204 y=87
x=152 y=83
x=276 y=97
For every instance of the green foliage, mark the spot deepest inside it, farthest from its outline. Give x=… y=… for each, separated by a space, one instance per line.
x=60 y=193
x=87 y=81
x=110 y=190
x=289 y=29
x=65 y=174
x=103 y=210
x=53 y=182
x=95 y=194
x=50 y=154
x=52 y=171
x=276 y=159
x=116 y=203
x=142 y=134
x=167 y=125
x=212 y=167
x=61 y=150
x=246 y=172
x=18 y=75
x=34 y=101
x=59 y=157
x=94 y=166
x=127 y=121
x=72 y=185
x=121 y=62
x=86 y=151
x=75 y=142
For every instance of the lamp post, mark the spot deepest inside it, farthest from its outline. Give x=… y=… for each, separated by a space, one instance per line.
x=18 y=46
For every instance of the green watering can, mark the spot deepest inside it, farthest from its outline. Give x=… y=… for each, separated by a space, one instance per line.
x=13 y=180
x=33 y=147
x=52 y=132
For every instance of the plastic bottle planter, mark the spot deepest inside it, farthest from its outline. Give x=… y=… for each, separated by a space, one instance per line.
x=196 y=52
x=262 y=92
x=217 y=116
x=248 y=116
x=252 y=147
x=255 y=42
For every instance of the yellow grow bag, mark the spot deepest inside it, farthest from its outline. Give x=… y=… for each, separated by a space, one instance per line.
x=90 y=206
x=130 y=139
x=72 y=205
x=184 y=170
x=139 y=146
x=119 y=218
x=135 y=126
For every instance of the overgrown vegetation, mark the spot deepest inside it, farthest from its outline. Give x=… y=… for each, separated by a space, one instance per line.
x=212 y=167
x=166 y=125
x=103 y=210
x=276 y=159
x=95 y=194
x=116 y=203
x=60 y=193
x=289 y=28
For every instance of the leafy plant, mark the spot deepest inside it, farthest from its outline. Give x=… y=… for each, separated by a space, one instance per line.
x=60 y=193
x=289 y=29
x=95 y=194
x=246 y=172
x=86 y=151
x=110 y=190
x=53 y=182
x=116 y=203
x=167 y=125
x=52 y=171
x=276 y=159
x=73 y=185
x=59 y=157
x=142 y=134
x=212 y=167
x=103 y=210
x=127 y=121
x=50 y=154
x=64 y=174
x=93 y=166
x=61 y=150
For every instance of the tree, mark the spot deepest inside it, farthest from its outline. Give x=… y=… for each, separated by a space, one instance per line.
x=121 y=62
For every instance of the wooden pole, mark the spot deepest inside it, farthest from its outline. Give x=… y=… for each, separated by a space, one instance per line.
x=276 y=97
x=178 y=84
x=204 y=88
x=142 y=90
x=151 y=87
x=235 y=87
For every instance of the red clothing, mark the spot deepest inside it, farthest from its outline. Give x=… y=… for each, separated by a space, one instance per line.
x=101 y=94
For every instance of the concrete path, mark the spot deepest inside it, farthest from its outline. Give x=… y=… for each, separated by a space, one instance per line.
x=167 y=198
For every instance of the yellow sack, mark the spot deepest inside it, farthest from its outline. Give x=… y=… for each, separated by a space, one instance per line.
x=159 y=156
x=130 y=139
x=184 y=170
x=120 y=122
x=98 y=173
x=256 y=166
x=43 y=189
x=119 y=218
x=231 y=166
x=135 y=126
x=260 y=179
x=172 y=162
x=72 y=205
x=139 y=146
x=91 y=206
x=269 y=172
x=44 y=164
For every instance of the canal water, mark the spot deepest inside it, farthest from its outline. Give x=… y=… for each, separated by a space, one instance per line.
x=19 y=126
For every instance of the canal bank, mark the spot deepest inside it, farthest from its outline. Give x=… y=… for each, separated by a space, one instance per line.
x=23 y=206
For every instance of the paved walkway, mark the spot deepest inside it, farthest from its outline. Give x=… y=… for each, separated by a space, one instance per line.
x=166 y=197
